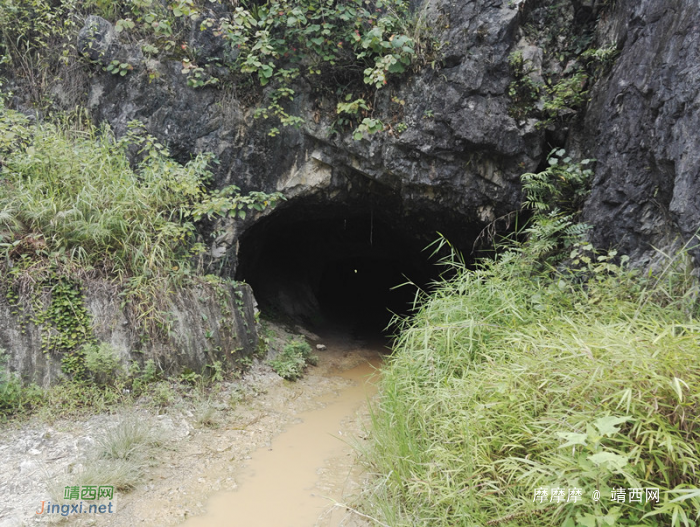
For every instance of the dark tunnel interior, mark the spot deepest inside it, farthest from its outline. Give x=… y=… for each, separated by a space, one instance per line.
x=341 y=266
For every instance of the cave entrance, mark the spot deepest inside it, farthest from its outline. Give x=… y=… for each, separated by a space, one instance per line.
x=343 y=264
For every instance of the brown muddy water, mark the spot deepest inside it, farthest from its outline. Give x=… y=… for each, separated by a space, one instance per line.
x=279 y=487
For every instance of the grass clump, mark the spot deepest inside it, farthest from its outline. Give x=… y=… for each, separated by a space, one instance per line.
x=205 y=415
x=122 y=455
x=522 y=376
x=131 y=439
x=102 y=362
x=15 y=397
x=291 y=362
x=69 y=193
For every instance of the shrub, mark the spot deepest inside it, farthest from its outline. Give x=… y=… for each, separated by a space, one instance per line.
x=506 y=382
x=102 y=362
x=123 y=453
x=162 y=393
x=291 y=362
x=15 y=397
x=77 y=197
x=140 y=378
x=555 y=196
x=10 y=393
x=72 y=207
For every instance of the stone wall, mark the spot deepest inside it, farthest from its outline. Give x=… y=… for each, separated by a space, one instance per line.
x=206 y=326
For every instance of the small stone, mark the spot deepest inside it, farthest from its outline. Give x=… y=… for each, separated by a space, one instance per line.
x=27 y=466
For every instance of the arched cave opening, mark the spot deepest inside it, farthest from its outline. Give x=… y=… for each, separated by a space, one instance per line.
x=341 y=263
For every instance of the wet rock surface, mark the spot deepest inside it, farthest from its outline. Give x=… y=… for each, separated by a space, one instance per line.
x=207 y=325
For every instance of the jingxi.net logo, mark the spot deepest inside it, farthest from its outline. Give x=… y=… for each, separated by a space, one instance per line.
x=87 y=499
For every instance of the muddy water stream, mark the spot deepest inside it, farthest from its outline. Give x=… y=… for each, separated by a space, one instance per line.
x=256 y=451
x=279 y=486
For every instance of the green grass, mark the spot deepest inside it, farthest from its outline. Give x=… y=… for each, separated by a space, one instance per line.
x=71 y=194
x=132 y=438
x=512 y=377
x=80 y=206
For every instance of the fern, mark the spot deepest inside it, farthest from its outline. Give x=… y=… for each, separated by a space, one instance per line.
x=563 y=184
x=556 y=196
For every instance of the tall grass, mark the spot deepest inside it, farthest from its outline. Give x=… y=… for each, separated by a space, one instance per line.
x=73 y=194
x=69 y=191
x=513 y=377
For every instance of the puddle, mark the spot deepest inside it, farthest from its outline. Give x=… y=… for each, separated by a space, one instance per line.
x=278 y=487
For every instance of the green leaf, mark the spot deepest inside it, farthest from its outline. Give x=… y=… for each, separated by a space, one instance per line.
x=676 y=384
x=612 y=461
x=612 y=517
x=586 y=520
x=573 y=438
x=607 y=425
x=686 y=494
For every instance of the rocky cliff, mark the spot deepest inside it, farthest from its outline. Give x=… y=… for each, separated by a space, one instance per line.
x=206 y=325
x=507 y=81
x=642 y=127
x=455 y=164
x=452 y=152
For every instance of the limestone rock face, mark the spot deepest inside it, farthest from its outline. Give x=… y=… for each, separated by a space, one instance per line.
x=643 y=127
x=451 y=154
x=450 y=148
x=204 y=328
x=98 y=40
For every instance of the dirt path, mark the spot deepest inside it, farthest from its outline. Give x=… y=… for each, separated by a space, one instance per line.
x=200 y=460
